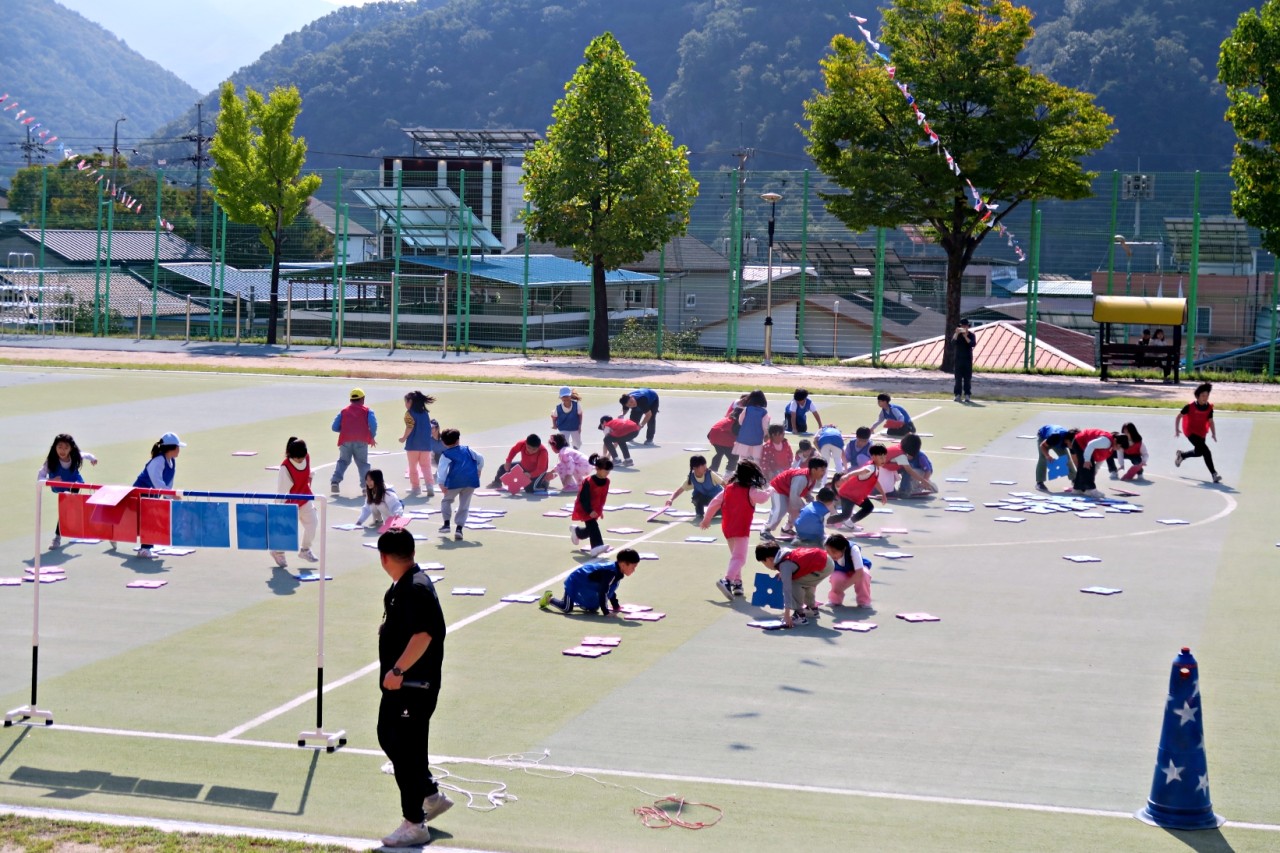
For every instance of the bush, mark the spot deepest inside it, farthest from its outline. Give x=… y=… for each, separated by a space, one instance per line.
x=639 y=338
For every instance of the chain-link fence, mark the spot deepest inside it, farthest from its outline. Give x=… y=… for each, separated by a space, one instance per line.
x=436 y=259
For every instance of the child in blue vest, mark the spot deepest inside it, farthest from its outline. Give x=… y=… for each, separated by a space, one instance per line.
x=417 y=440
x=703 y=484
x=753 y=427
x=458 y=476
x=798 y=410
x=811 y=523
x=897 y=422
x=830 y=444
x=159 y=472
x=63 y=465
x=857 y=452
x=850 y=569
x=593 y=587
x=566 y=418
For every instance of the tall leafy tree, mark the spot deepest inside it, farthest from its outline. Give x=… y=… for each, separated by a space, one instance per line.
x=1017 y=135
x=1247 y=66
x=607 y=181
x=257 y=169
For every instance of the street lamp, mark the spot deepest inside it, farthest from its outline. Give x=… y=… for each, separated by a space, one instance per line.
x=773 y=199
x=115 y=142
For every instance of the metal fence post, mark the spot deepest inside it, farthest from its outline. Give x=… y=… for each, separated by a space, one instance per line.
x=288 y=314
x=237 y=319
x=188 y=335
x=662 y=299
x=804 y=269
x=524 y=291
x=138 y=324
x=1193 y=284
x=1271 y=347
x=1111 y=237
x=155 y=262
x=877 y=310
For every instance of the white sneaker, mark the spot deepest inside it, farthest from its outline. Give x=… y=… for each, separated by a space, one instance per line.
x=726 y=588
x=436 y=805
x=278 y=556
x=333 y=489
x=306 y=554
x=145 y=554
x=600 y=549
x=573 y=533
x=1096 y=494
x=408 y=835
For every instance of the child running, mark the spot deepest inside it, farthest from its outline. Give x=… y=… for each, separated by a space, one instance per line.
x=593 y=587
x=856 y=487
x=849 y=569
x=566 y=418
x=797 y=412
x=617 y=432
x=380 y=500
x=62 y=465
x=776 y=455
x=295 y=479
x=573 y=466
x=802 y=569
x=1196 y=422
x=703 y=484
x=458 y=476
x=159 y=472
x=588 y=509
x=737 y=502
x=417 y=441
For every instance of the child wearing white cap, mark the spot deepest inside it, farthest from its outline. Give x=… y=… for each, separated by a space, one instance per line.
x=566 y=418
x=159 y=472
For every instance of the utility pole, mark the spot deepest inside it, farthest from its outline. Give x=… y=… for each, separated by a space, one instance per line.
x=199 y=158
x=30 y=149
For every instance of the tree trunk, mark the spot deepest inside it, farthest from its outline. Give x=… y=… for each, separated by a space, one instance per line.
x=600 y=308
x=956 y=260
x=277 y=238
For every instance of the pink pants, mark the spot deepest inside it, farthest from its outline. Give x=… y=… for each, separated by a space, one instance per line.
x=1134 y=471
x=419 y=459
x=737 y=556
x=859 y=580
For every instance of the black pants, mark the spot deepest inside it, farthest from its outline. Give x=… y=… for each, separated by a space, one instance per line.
x=964 y=376
x=404 y=726
x=898 y=432
x=1086 y=476
x=846 y=510
x=590 y=530
x=727 y=454
x=1200 y=448
x=613 y=445
x=635 y=417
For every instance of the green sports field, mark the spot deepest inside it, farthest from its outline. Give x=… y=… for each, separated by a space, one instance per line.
x=1026 y=719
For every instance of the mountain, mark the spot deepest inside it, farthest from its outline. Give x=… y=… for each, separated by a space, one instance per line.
x=77 y=78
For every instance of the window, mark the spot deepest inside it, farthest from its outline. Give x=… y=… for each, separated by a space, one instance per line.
x=691 y=300
x=1204 y=320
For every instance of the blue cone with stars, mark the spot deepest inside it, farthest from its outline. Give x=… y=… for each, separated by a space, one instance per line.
x=1180 y=787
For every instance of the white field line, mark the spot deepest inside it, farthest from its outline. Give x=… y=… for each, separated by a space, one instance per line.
x=360 y=673
x=507 y=764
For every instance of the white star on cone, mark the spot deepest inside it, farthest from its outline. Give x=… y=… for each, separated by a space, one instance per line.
x=1172 y=773
x=1186 y=714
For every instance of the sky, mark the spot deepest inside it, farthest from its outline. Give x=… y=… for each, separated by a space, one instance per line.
x=204 y=41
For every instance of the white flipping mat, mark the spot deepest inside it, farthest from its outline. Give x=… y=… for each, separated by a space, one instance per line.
x=919 y=617
x=520 y=599
x=1100 y=590
x=860 y=627
x=1081 y=558
x=468 y=590
x=145 y=584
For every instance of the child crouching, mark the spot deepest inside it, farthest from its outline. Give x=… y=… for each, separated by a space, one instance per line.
x=593 y=587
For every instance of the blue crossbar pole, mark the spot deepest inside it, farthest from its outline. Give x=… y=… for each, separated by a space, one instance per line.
x=248 y=496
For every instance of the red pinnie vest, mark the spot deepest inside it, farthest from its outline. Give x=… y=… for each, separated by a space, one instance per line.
x=808 y=560
x=355 y=425
x=301 y=484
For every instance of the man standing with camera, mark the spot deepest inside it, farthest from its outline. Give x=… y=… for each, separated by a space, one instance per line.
x=962 y=360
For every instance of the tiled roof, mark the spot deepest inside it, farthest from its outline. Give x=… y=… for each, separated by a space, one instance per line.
x=126 y=291
x=126 y=246
x=1000 y=347
x=242 y=283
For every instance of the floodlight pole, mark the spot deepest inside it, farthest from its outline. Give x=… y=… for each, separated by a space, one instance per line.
x=773 y=199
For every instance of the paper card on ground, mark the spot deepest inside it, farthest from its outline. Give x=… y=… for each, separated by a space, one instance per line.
x=468 y=590
x=703 y=540
x=587 y=651
x=271 y=467
x=898 y=530
x=1090 y=515
x=953 y=447
x=479 y=525
x=434 y=567
x=586 y=549
x=635 y=608
x=486 y=493
x=648 y=555
x=308 y=576
x=244 y=453
x=170 y=551
x=860 y=627
x=46 y=570
x=634 y=506
x=654 y=516
x=1125 y=493
x=659 y=492
x=624 y=531
x=619 y=491
x=435 y=578
x=1004 y=482
x=1027 y=436
x=85 y=541
x=145 y=584
x=957 y=479
x=647 y=616
x=680 y=513
x=45 y=578
x=865 y=534
x=694 y=449
x=883 y=510
x=10 y=581
x=345 y=526
x=520 y=599
x=767 y=624
x=894 y=555
x=1081 y=558
x=556 y=513
x=918 y=617
x=601 y=641
x=1101 y=590
x=960 y=508
x=956 y=499
x=379 y=452
x=1173 y=521
x=1010 y=519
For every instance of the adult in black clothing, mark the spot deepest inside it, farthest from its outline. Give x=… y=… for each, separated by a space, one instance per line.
x=962 y=360
x=410 y=657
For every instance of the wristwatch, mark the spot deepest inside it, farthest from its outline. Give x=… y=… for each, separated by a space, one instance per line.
x=397 y=671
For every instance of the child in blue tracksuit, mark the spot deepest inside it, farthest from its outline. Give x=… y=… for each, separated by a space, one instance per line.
x=812 y=521
x=703 y=485
x=830 y=443
x=593 y=587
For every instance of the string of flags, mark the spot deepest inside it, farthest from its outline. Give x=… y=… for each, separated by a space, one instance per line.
x=980 y=204
x=111 y=188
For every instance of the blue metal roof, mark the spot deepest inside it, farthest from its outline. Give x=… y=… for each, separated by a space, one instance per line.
x=544 y=270
x=256 y=283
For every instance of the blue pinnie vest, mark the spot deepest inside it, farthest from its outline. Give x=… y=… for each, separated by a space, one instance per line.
x=706 y=487
x=810 y=522
x=751 y=432
x=570 y=421
x=166 y=476
x=420 y=438
x=65 y=474
x=829 y=436
x=463 y=473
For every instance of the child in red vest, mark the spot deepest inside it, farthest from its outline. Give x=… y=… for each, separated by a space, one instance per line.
x=1136 y=454
x=1088 y=448
x=791 y=490
x=736 y=505
x=1196 y=422
x=617 y=432
x=855 y=488
x=295 y=479
x=357 y=430
x=802 y=569
x=588 y=509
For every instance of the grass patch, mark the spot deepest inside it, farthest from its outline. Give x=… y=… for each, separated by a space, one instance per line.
x=37 y=835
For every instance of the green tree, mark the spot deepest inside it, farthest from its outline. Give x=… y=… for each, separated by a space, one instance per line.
x=607 y=181
x=1015 y=134
x=257 y=163
x=1250 y=56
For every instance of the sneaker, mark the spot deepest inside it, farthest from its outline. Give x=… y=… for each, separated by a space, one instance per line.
x=1115 y=475
x=408 y=835
x=726 y=588
x=573 y=533
x=788 y=531
x=848 y=525
x=697 y=519
x=378 y=519
x=306 y=554
x=737 y=589
x=957 y=398
x=766 y=536
x=278 y=556
x=798 y=619
x=333 y=489
x=1041 y=487
x=145 y=554
x=968 y=399
x=431 y=493
x=545 y=601
x=599 y=549
x=457 y=534
x=112 y=543
x=446 y=527
x=1217 y=478
x=436 y=805
x=56 y=543
x=1096 y=494
x=649 y=443
x=1177 y=458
